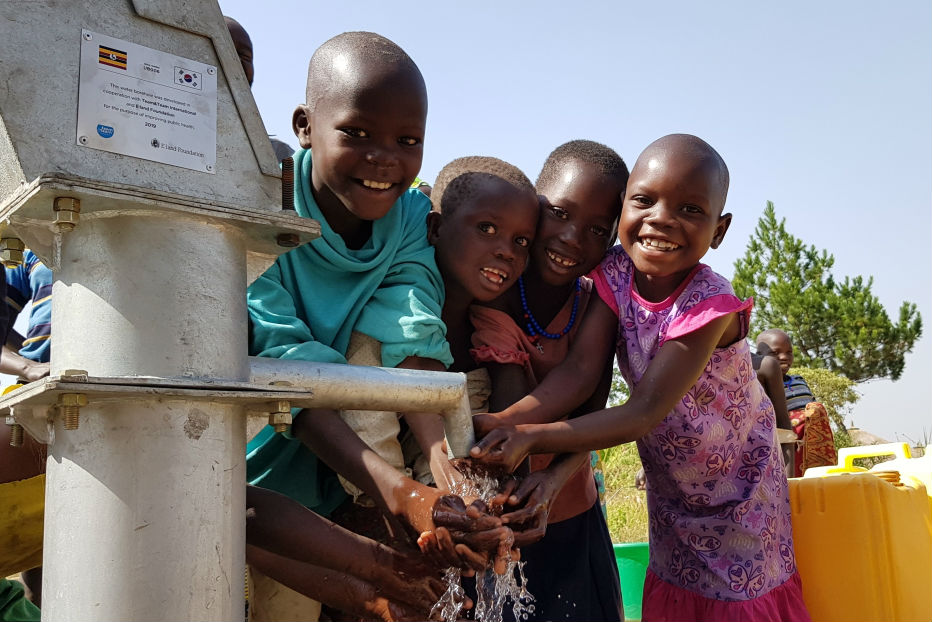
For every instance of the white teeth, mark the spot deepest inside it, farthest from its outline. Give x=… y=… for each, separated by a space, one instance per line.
x=661 y=244
x=494 y=275
x=563 y=261
x=378 y=185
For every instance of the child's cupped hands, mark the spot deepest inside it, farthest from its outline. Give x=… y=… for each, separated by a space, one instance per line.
x=467 y=537
x=527 y=505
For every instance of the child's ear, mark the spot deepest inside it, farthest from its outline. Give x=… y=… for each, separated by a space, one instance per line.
x=720 y=229
x=434 y=220
x=301 y=124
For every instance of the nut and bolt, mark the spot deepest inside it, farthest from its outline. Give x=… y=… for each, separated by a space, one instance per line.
x=280 y=415
x=67 y=212
x=11 y=252
x=70 y=405
x=288 y=240
x=16 y=432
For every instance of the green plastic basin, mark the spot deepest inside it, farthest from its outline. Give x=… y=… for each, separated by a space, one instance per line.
x=632 y=568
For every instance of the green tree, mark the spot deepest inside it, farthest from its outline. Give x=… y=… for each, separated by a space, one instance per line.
x=834 y=391
x=619 y=392
x=837 y=326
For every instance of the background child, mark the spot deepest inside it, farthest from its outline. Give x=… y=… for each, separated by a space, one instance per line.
x=720 y=534
x=524 y=334
x=371 y=273
x=806 y=416
x=770 y=376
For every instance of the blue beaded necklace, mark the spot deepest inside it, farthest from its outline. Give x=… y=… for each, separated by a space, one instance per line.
x=534 y=329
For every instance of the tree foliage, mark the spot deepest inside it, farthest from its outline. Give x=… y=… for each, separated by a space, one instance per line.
x=834 y=391
x=840 y=326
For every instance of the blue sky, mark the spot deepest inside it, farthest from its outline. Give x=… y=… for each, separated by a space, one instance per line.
x=823 y=107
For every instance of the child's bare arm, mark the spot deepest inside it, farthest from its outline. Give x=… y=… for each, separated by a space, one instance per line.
x=671 y=373
x=575 y=379
x=427 y=428
x=285 y=527
x=347 y=592
x=415 y=504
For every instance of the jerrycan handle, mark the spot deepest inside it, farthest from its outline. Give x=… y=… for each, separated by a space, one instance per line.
x=847 y=455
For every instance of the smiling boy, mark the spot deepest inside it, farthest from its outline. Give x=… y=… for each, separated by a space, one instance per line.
x=369 y=283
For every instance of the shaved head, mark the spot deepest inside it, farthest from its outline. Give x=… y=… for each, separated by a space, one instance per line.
x=695 y=149
x=355 y=60
x=459 y=180
x=773 y=334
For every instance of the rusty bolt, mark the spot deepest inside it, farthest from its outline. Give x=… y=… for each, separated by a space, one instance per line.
x=70 y=404
x=74 y=375
x=11 y=252
x=288 y=240
x=16 y=432
x=280 y=415
x=67 y=212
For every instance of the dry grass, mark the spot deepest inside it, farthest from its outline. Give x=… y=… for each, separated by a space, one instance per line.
x=626 y=506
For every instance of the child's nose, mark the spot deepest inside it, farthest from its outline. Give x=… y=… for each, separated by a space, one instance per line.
x=659 y=214
x=505 y=251
x=571 y=235
x=382 y=155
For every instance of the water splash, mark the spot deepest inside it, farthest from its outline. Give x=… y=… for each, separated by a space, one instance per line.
x=451 y=602
x=493 y=591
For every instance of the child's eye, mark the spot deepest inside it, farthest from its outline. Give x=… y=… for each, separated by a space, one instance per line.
x=487 y=227
x=522 y=241
x=355 y=132
x=410 y=141
x=559 y=212
x=693 y=209
x=599 y=231
x=642 y=201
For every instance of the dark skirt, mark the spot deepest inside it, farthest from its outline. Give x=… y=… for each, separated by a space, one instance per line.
x=571 y=572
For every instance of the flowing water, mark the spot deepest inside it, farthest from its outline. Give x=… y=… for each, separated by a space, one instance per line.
x=493 y=591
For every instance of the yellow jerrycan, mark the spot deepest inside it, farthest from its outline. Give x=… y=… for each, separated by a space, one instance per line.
x=863 y=541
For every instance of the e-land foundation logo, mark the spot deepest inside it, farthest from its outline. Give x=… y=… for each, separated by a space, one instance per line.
x=104 y=131
x=188 y=78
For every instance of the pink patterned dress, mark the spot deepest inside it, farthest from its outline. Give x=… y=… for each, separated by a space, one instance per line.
x=721 y=542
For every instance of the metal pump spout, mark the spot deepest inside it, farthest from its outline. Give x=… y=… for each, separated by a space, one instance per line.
x=377 y=388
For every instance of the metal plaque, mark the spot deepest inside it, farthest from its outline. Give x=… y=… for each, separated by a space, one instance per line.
x=146 y=103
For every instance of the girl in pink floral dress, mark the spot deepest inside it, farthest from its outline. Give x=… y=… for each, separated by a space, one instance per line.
x=720 y=533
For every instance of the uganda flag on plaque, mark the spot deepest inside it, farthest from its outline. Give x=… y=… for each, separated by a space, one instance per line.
x=112 y=57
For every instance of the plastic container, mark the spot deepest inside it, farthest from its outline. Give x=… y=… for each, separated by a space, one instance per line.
x=863 y=544
x=903 y=463
x=632 y=568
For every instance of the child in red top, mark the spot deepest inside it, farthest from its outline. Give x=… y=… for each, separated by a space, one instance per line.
x=524 y=334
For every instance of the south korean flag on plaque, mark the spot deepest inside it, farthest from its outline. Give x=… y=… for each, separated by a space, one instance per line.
x=188 y=78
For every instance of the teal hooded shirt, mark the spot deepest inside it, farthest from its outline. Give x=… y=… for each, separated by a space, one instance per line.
x=310 y=301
